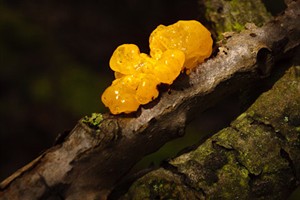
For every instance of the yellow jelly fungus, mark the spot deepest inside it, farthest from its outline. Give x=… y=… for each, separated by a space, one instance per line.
x=125 y=59
x=128 y=92
x=190 y=36
x=172 y=49
x=146 y=90
x=168 y=67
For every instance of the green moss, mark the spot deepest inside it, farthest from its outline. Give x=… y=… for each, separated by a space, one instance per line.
x=227 y=16
x=162 y=188
x=161 y=184
x=232 y=182
x=94 y=120
x=286 y=119
x=238 y=27
x=248 y=160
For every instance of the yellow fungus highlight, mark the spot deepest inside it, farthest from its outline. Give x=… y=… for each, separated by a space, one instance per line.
x=191 y=37
x=169 y=66
x=180 y=46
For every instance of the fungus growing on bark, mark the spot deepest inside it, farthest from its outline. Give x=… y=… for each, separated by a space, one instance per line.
x=180 y=46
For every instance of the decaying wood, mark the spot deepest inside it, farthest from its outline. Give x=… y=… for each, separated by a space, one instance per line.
x=257 y=157
x=89 y=162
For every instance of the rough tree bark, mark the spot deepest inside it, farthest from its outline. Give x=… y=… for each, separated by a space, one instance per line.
x=257 y=157
x=91 y=160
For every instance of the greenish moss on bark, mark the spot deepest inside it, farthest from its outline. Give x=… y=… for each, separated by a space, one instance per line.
x=257 y=157
x=162 y=184
x=228 y=16
x=94 y=120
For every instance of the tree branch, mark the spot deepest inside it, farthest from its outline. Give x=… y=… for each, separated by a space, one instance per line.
x=258 y=156
x=89 y=163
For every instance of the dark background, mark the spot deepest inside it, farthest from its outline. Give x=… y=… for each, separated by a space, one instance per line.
x=54 y=59
x=54 y=63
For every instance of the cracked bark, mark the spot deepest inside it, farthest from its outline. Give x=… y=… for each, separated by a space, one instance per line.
x=91 y=161
x=257 y=157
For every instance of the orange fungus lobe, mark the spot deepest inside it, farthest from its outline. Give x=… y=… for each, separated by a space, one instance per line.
x=173 y=48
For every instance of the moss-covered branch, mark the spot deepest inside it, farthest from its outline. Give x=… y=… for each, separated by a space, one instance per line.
x=258 y=156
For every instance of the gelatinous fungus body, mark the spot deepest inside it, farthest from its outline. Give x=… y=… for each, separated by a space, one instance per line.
x=173 y=48
x=191 y=37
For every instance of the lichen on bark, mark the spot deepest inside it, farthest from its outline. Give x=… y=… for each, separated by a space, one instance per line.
x=228 y=16
x=256 y=157
x=162 y=184
x=91 y=163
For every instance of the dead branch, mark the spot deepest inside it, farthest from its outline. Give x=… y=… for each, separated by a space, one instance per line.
x=89 y=162
x=256 y=157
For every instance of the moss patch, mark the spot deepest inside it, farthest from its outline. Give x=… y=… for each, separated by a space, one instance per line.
x=228 y=16
x=94 y=120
